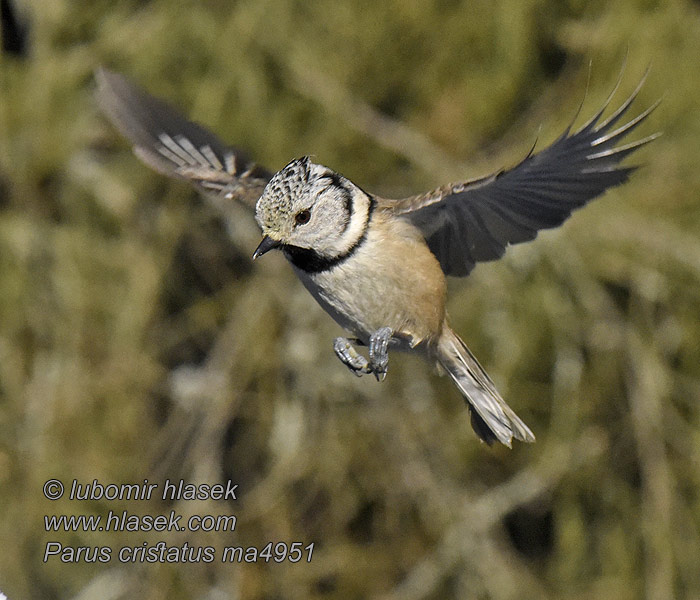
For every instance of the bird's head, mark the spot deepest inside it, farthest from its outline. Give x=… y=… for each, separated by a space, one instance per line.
x=310 y=207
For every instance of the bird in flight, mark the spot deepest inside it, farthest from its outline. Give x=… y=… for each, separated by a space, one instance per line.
x=378 y=266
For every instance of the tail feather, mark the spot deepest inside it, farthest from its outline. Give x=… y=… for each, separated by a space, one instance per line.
x=492 y=419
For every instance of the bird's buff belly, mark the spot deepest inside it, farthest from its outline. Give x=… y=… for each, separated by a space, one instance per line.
x=362 y=303
x=348 y=301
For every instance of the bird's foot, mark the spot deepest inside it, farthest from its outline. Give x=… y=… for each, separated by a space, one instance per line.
x=378 y=354
x=350 y=357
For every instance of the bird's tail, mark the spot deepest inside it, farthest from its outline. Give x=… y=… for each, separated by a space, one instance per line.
x=492 y=419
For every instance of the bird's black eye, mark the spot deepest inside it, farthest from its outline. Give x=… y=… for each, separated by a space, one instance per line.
x=302 y=217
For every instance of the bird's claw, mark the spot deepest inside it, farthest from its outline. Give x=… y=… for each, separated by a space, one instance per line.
x=347 y=354
x=378 y=354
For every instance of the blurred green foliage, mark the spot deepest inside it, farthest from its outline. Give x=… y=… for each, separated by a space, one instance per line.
x=136 y=340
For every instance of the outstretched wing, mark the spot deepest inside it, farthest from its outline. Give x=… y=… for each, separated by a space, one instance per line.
x=475 y=221
x=174 y=146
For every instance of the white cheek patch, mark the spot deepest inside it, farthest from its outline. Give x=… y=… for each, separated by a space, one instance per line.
x=353 y=231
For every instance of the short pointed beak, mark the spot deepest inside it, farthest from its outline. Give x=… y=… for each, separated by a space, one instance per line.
x=265 y=245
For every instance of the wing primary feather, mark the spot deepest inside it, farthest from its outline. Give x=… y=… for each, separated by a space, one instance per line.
x=617 y=114
x=627 y=127
x=620 y=152
x=167 y=148
x=174 y=146
x=192 y=150
x=592 y=122
x=212 y=158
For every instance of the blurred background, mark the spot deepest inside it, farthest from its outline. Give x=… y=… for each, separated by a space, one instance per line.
x=137 y=340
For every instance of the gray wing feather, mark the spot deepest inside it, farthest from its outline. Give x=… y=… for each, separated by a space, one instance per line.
x=175 y=146
x=476 y=220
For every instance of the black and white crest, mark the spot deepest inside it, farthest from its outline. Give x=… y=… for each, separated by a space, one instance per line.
x=283 y=188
